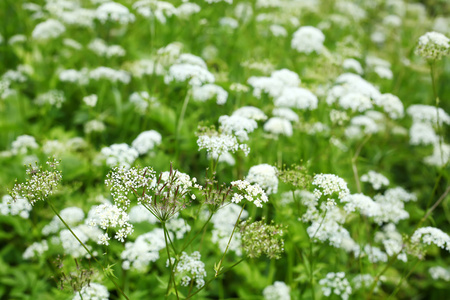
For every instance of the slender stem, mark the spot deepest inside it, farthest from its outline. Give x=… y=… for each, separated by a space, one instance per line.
x=198 y=232
x=86 y=248
x=377 y=278
x=354 y=160
x=436 y=97
x=311 y=258
x=79 y=293
x=220 y=273
x=397 y=288
x=434 y=206
x=181 y=118
x=229 y=241
x=172 y=271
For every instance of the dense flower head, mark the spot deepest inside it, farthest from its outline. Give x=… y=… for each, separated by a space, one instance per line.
x=146 y=141
x=296 y=97
x=259 y=238
x=119 y=155
x=41 y=184
x=265 y=176
x=209 y=91
x=106 y=73
x=433 y=45
x=191 y=268
x=377 y=180
x=422 y=134
x=337 y=284
x=36 y=249
x=329 y=184
x=278 y=291
x=239 y=126
x=217 y=143
x=308 y=39
x=92 y=291
x=391 y=105
x=250 y=192
x=20 y=206
x=431 y=235
x=194 y=74
x=49 y=29
x=159 y=10
x=71 y=215
x=250 y=112
x=428 y=114
x=114 y=12
x=22 y=144
x=278 y=126
x=439 y=272
x=53 y=97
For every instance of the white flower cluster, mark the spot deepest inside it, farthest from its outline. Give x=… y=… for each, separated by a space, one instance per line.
x=392 y=205
x=187 y=9
x=422 y=134
x=74 y=76
x=71 y=215
x=109 y=216
x=265 y=176
x=377 y=180
x=296 y=97
x=53 y=97
x=364 y=281
x=49 y=29
x=138 y=214
x=392 y=241
x=119 y=155
x=122 y=182
x=218 y=144
x=239 y=126
x=373 y=254
x=142 y=100
x=146 y=141
x=159 y=10
x=391 y=105
x=308 y=39
x=196 y=74
x=99 y=47
x=286 y=113
x=328 y=184
x=143 y=250
x=337 y=284
x=440 y=156
x=431 y=235
x=253 y=193
x=90 y=100
x=35 y=250
x=191 y=268
x=428 y=114
x=277 y=291
x=22 y=144
x=275 y=84
x=114 y=12
x=224 y=220
x=112 y=75
x=278 y=126
x=12 y=207
x=71 y=245
x=94 y=126
x=364 y=204
x=433 y=45
x=92 y=291
x=209 y=91
x=352 y=64
x=439 y=273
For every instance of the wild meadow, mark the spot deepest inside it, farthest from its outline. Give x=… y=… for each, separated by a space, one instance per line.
x=224 y=149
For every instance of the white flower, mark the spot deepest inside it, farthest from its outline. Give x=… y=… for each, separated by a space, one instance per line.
x=355 y=102
x=22 y=144
x=431 y=235
x=49 y=29
x=308 y=39
x=239 y=126
x=296 y=97
x=288 y=77
x=71 y=215
x=194 y=73
x=422 y=134
x=155 y=9
x=278 y=30
x=253 y=193
x=99 y=47
x=146 y=141
x=216 y=145
x=440 y=156
x=119 y=155
x=229 y=22
x=328 y=184
x=74 y=76
x=94 y=126
x=110 y=74
x=115 y=12
x=35 y=250
x=191 y=268
x=19 y=206
x=90 y=100
x=92 y=291
x=286 y=113
x=278 y=291
x=352 y=64
x=265 y=176
x=209 y=91
x=433 y=45
x=278 y=126
x=428 y=114
x=250 y=112
x=439 y=273
x=377 y=180
x=364 y=204
x=337 y=284
x=187 y=9
x=391 y=104
x=53 y=97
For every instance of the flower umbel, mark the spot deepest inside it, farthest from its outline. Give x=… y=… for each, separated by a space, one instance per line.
x=259 y=238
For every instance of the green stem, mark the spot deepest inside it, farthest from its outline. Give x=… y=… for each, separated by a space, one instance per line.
x=217 y=269
x=198 y=232
x=220 y=273
x=86 y=248
x=172 y=271
x=377 y=278
x=397 y=288
x=181 y=118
